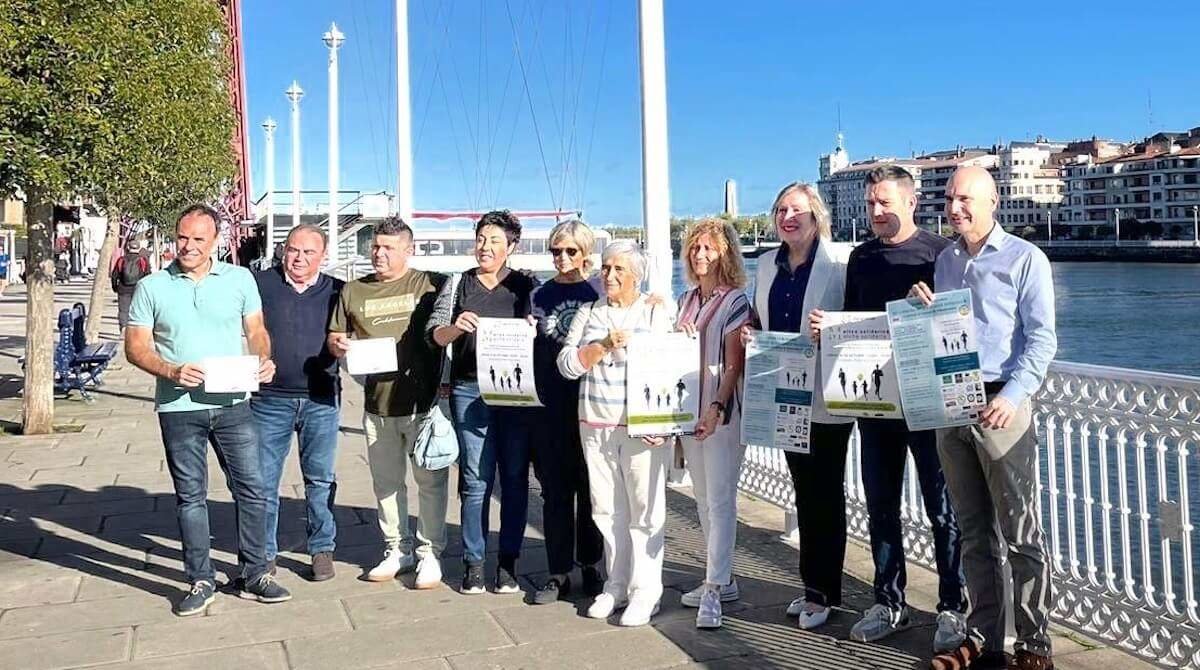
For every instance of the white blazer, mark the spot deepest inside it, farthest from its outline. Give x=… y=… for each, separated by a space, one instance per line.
x=826 y=290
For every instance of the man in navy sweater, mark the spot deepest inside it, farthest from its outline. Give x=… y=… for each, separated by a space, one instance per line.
x=304 y=396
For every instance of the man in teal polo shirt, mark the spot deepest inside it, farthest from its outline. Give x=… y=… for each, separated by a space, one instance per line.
x=198 y=308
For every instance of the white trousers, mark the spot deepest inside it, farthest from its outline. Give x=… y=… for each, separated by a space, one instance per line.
x=629 y=505
x=389 y=443
x=714 y=465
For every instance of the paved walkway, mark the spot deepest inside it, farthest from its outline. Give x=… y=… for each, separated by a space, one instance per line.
x=90 y=564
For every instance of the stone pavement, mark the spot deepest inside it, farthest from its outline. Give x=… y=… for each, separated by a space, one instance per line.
x=90 y=564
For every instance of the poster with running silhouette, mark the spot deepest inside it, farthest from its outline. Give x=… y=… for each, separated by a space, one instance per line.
x=856 y=362
x=662 y=378
x=777 y=391
x=937 y=360
x=504 y=360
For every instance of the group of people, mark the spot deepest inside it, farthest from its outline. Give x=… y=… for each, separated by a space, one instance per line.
x=604 y=505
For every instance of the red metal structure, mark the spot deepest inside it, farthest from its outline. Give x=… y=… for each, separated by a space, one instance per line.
x=237 y=200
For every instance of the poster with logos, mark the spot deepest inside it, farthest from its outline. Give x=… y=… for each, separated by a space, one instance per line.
x=857 y=366
x=504 y=362
x=937 y=360
x=662 y=381
x=777 y=391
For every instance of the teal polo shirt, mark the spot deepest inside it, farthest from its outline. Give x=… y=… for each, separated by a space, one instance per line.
x=193 y=320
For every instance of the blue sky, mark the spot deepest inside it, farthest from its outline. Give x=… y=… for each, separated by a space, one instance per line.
x=754 y=89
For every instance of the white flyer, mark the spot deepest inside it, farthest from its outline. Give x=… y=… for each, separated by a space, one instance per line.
x=858 y=368
x=662 y=381
x=372 y=356
x=230 y=374
x=504 y=362
x=778 y=390
x=937 y=360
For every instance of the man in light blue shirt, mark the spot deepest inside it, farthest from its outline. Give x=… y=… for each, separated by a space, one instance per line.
x=991 y=467
x=195 y=309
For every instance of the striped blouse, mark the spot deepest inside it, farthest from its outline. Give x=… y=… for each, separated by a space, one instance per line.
x=602 y=392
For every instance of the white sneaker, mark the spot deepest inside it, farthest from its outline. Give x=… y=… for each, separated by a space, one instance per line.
x=795 y=607
x=638 y=612
x=603 y=606
x=812 y=616
x=951 y=631
x=709 y=614
x=395 y=561
x=729 y=593
x=878 y=622
x=429 y=573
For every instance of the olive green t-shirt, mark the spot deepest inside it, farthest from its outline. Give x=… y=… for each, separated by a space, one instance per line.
x=400 y=308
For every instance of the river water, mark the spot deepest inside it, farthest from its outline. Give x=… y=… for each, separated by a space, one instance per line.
x=1144 y=316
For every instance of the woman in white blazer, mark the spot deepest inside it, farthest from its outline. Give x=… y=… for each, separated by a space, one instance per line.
x=808 y=271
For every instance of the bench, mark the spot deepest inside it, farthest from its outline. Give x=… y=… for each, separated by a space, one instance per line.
x=77 y=364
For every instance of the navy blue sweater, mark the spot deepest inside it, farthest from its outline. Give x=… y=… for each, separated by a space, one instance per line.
x=297 y=324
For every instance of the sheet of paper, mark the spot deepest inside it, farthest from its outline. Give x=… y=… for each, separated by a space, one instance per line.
x=937 y=360
x=504 y=362
x=662 y=384
x=372 y=356
x=856 y=362
x=230 y=374
x=778 y=390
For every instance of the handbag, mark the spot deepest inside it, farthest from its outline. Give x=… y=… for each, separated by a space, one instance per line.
x=436 y=446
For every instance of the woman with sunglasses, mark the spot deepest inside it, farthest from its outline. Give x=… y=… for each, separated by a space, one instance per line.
x=571 y=535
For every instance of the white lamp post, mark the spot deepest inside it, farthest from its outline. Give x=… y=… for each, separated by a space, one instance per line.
x=1118 y=226
x=333 y=39
x=404 y=159
x=294 y=94
x=269 y=129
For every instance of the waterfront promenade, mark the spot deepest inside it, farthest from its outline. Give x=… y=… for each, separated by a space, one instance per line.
x=90 y=564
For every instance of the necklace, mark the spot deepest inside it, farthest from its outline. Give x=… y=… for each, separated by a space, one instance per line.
x=611 y=357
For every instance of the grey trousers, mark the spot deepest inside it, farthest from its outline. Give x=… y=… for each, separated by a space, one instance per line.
x=992 y=478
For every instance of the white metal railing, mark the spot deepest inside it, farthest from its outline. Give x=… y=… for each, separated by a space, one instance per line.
x=1099 y=244
x=1116 y=485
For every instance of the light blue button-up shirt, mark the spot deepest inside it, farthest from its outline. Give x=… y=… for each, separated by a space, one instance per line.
x=1012 y=292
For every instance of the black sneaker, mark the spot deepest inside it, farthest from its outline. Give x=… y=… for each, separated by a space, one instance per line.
x=472 y=581
x=506 y=582
x=554 y=589
x=322 y=566
x=264 y=589
x=200 y=597
x=593 y=583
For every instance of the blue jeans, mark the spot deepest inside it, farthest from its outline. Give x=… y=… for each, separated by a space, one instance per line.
x=230 y=430
x=884 y=443
x=316 y=425
x=491 y=440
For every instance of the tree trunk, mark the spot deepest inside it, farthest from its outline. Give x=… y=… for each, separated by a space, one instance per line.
x=38 y=401
x=101 y=291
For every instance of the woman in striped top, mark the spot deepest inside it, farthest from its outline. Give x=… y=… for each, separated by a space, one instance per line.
x=627 y=475
x=715 y=309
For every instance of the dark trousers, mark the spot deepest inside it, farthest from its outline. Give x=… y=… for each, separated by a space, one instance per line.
x=571 y=535
x=818 y=478
x=124 y=300
x=231 y=431
x=884 y=443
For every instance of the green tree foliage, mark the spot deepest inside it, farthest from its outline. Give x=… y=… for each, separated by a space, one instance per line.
x=122 y=102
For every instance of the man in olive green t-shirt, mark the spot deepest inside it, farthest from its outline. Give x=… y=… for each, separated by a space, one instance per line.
x=396 y=301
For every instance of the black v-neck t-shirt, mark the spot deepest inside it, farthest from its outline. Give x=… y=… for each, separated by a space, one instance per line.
x=508 y=300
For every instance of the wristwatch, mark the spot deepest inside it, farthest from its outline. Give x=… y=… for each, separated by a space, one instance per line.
x=721 y=406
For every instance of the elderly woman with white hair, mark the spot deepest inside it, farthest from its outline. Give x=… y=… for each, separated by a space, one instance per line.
x=627 y=475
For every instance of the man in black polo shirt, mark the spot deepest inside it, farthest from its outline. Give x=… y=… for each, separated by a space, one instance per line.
x=881 y=270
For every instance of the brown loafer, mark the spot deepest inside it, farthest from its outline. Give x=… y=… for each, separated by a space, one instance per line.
x=322 y=566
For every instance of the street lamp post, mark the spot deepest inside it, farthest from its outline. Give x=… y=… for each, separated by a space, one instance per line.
x=333 y=39
x=1049 y=228
x=1196 y=225
x=294 y=94
x=854 y=231
x=1118 y=226
x=269 y=128
x=939 y=226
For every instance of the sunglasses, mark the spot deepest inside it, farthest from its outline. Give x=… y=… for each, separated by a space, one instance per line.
x=569 y=251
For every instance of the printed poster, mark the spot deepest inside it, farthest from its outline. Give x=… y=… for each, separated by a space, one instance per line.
x=856 y=361
x=504 y=362
x=937 y=360
x=778 y=391
x=662 y=384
